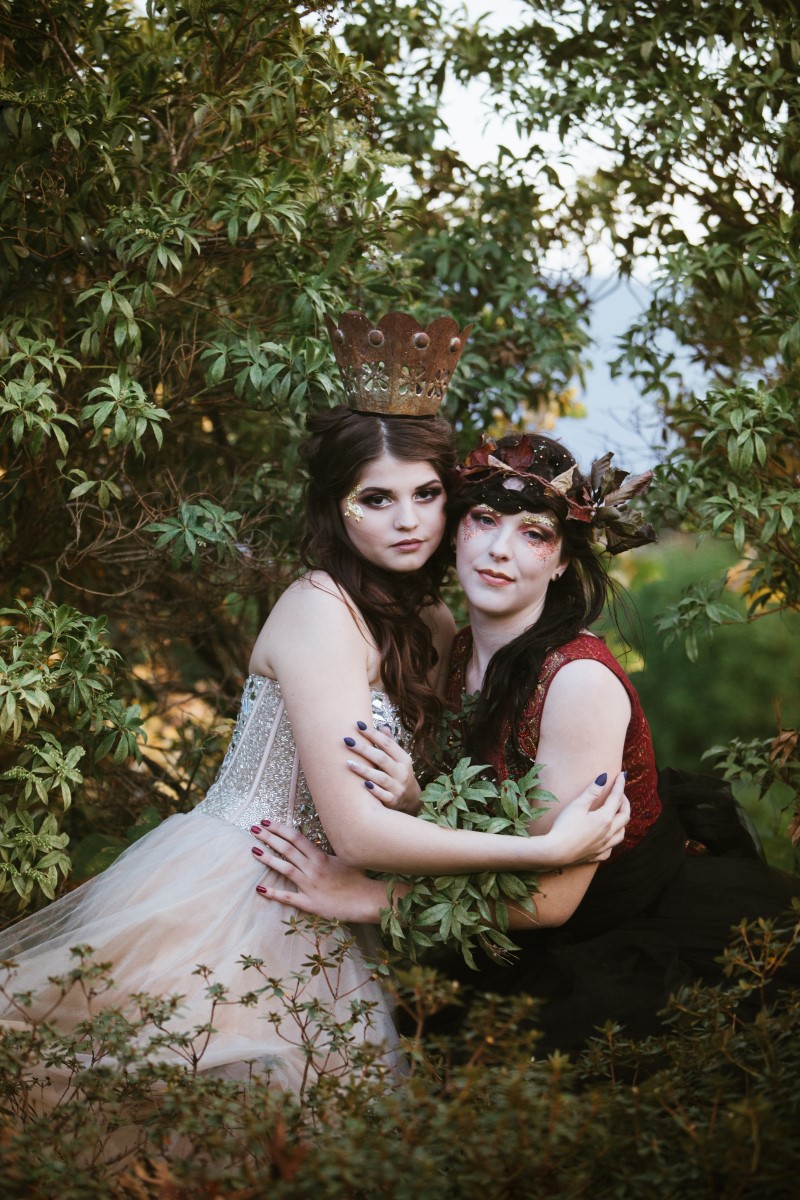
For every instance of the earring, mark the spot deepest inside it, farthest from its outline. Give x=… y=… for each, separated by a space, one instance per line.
x=351 y=509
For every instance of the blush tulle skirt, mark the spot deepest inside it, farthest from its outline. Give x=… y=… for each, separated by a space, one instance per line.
x=177 y=915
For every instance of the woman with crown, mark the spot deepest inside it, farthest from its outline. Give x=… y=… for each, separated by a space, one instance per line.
x=362 y=634
x=610 y=939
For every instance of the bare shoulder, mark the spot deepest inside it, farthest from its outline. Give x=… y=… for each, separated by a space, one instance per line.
x=585 y=687
x=314 y=592
x=313 y=613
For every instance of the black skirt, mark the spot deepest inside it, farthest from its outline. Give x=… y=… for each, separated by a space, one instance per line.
x=653 y=920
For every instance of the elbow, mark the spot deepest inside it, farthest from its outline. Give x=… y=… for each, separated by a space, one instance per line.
x=351 y=851
x=349 y=856
x=553 y=911
x=552 y=918
x=362 y=841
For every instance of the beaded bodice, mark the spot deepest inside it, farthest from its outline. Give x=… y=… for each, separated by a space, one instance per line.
x=261 y=774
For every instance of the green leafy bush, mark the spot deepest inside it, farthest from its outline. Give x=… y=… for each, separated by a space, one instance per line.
x=59 y=719
x=465 y=911
x=709 y=1110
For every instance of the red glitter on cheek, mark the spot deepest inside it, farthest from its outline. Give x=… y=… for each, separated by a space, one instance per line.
x=468 y=530
x=542 y=550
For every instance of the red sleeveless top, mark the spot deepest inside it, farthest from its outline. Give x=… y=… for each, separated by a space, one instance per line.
x=638 y=760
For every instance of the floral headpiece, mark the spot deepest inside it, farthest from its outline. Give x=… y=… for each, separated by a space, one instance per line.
x=508 y=475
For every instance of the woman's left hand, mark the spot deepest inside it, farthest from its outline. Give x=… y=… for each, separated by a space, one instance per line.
x=386 y=768
x=325 y=885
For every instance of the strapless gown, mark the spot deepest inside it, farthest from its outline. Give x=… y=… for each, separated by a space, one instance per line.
x=184 y=897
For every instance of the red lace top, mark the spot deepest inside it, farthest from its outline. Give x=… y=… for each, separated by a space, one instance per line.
x=641 y=786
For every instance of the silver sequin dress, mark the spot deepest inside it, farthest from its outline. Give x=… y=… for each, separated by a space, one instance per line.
x=184 y=896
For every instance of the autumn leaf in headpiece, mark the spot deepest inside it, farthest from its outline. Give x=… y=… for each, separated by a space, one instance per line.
x=478 y=458
x=600 y=500
x=623 y=530
x=519 y=456
x=618 y=526
x=636 y=485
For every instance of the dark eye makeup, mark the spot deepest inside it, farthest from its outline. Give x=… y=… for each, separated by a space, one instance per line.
x=376 y=499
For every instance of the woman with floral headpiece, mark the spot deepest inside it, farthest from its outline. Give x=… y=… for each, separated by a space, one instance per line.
x=362 y=636
x=612 y=939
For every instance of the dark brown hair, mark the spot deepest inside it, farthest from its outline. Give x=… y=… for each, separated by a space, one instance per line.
x=341 y=444
x=573 y=602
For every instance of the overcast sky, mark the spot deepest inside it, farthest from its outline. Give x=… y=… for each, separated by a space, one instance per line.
x=617 y=418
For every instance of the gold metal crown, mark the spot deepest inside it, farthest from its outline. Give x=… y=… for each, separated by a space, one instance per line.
x=396 y=368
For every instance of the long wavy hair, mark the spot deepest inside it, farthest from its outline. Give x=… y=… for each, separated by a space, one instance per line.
x=340 y=445
x=573 y=602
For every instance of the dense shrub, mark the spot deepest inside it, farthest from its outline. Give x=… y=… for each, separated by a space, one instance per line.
x=709 y=1109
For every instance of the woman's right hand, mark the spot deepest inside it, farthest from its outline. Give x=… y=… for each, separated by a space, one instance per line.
x=588 y=832
x=323 y=884
x=386 y=769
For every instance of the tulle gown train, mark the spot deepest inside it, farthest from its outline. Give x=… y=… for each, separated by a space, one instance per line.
x=184 y=897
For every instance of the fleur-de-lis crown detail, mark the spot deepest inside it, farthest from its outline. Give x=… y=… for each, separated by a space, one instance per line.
x=396 y=368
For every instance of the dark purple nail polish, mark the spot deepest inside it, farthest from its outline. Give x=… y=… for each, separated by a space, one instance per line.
x=257 y=850
x=255 y=829
x=266 y=824
x=601 y=779
x=261 y=889
x=624 y=774
x=369 y=784
x=361 y=725
x=349 y=742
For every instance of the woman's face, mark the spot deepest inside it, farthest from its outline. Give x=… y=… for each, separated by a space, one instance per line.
x=394 y=515
x=506 y=562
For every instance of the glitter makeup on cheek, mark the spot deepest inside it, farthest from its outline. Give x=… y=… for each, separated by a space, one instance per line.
x=542 y=550
x=352 y=510
x=468 y=529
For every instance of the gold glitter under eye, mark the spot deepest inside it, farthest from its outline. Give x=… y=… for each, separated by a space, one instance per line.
x=352 y=510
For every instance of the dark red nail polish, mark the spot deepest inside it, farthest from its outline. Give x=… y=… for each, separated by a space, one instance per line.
x=261 y=889
x=266 y=824
x=255 y=829
x=257 y=850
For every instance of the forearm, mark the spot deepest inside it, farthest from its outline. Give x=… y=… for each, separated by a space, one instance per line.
x=384 y=840
x=559 y=896
x=367 y=900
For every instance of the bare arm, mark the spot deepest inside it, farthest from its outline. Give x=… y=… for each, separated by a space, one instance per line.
x=315 y=648
x=584 y=721
x=320 y=883
x=592 y=699
x=561 y=893
x=586 y=713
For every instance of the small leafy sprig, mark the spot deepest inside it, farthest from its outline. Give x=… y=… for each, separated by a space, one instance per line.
x=469 y=911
